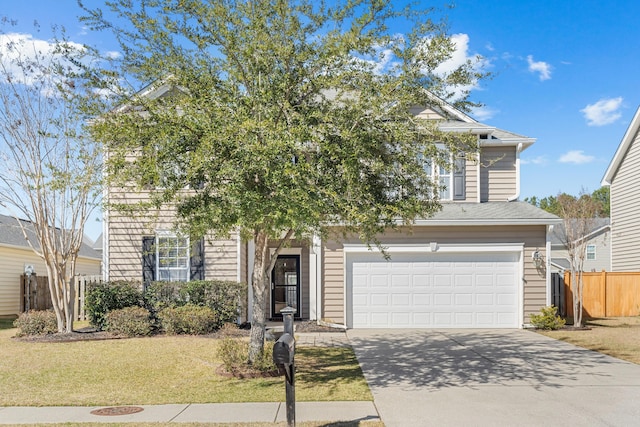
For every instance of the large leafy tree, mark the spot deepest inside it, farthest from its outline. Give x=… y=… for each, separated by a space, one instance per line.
x=285 y=118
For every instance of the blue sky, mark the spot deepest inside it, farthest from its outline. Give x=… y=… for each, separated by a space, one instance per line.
x=565 y=73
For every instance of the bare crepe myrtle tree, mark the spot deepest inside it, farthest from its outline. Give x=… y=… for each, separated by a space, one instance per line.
x=579 y=216
x=49 y=172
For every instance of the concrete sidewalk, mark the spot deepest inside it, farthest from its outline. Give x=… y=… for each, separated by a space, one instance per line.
x=268 y=412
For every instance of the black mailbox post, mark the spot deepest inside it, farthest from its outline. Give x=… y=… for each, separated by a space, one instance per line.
x=284 y=357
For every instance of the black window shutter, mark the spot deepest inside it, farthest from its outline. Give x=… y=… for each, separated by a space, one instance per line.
x=459 y=178
x=148 y=259
x=197 y=260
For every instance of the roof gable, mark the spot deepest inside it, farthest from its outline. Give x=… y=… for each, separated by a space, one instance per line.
x=622 y=150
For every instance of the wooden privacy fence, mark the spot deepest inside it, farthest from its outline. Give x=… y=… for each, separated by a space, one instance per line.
x=606 y=294
x=35 y=293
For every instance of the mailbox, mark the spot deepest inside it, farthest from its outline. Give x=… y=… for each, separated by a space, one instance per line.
x=283 y=350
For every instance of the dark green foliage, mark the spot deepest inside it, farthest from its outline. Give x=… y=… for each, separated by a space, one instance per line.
x=552 y=204
x=188 y=319
x=129 y=321
x=224 y=297
x=104 y=297
x=36 y=323
x=548 y=319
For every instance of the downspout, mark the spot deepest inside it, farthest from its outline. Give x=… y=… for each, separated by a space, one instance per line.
x=517 y=195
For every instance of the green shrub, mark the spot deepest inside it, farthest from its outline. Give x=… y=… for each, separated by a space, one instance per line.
x=234 y=354
x=188 y=319
x=36 y=323
x=129 y=321
x=104 y=297
x=548 y=319
x=225 y=298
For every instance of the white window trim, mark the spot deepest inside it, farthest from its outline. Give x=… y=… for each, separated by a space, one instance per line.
x=449 y=175
x=594 y=252
x=168 y=234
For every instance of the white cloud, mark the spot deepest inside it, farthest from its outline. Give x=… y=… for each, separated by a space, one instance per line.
x=25 y=59
x=540 y=160
x=483 y=113
x=459 y=57
x=576 y=156
x=112 y=54
x=543 y=68
x=603 y=112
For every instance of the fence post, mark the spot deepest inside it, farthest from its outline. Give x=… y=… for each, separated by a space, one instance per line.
x=603 y=293
x=76 y=302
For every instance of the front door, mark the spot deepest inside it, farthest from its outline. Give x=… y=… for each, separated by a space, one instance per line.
x=285 y=285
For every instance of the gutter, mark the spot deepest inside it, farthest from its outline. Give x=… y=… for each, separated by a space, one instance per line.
x=517 y=195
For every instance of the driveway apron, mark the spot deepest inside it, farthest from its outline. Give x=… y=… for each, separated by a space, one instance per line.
x=465 y=377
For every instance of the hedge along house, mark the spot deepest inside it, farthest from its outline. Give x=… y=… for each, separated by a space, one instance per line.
x=481 y=262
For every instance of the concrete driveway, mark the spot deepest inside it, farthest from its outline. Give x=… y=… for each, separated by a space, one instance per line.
x=464 y=377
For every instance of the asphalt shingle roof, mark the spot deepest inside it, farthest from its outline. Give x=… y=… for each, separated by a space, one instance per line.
x=11 y=234
x=558 y=236
x=499 y=212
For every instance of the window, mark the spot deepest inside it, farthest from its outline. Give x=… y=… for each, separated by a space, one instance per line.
x=172 y=258
x=451 y=179
x=591 y=252
x=167 y=257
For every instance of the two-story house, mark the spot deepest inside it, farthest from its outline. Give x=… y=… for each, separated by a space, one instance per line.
x=623 y=178
x=470 y=265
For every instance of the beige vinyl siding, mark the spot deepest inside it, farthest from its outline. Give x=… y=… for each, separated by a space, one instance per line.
x=497 y=173
x=471 y=180
x=12 y=262
x=625 y=212
x=125 y=243
x=221 y=259
x=425 y=113
x=333 y=283
x=533 y=237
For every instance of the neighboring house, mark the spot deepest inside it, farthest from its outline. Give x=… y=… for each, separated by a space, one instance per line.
x=470 y=265
x=15 y=255
x=598 y=251
x=623 y=177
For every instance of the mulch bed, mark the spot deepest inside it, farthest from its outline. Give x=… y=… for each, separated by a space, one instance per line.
x=91 y=334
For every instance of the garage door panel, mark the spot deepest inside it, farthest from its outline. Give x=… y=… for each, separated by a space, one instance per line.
x=421 y=300
x=485 y=299
x=400 y=300
x=400 y=280
x=442 y=281
x=420 y=281
x=379 y=281
x=379 y=300
x=441 y=290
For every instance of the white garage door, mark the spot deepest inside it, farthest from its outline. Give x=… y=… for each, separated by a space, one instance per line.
x=427 y=290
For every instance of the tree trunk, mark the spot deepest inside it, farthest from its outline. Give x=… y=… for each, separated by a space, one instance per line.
x=260 y=286
x=579 y=288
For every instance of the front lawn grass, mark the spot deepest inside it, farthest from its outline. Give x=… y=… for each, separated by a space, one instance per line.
x=159 y=370
x=616 y=336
